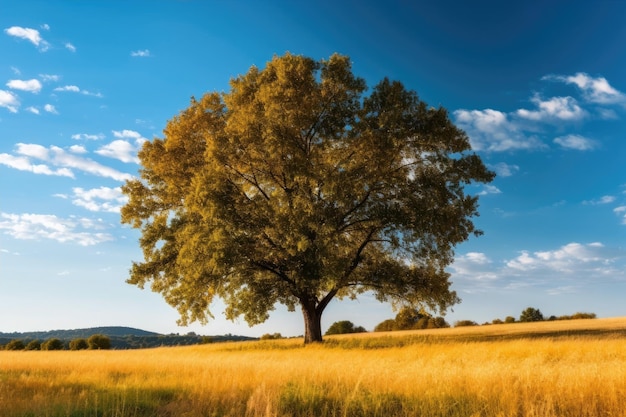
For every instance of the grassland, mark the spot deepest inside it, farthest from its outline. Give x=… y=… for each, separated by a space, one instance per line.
x=568 y=368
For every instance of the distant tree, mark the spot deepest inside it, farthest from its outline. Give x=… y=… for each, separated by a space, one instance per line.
x=385 y=326
x=531 y=314
x=270 y=336
x=15 y=344
x=33 y=345
x=579 y=315
x=301 y=185
x=496 y=321
x=99 y=341
x=509 y=319
x=79 y=344
x=52 y=344
x=343 y=327
x=465 y=323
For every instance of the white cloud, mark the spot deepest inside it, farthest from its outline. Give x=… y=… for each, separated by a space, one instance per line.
x=72 y=88
x=607 y=199
x=621 y=211
x=493 y=130
x=556 y=108
x=23 y=163
x=50 y=109
x=80 y=149
x=70 y=47
x=503 y=169
x=103 y=199
x=577 y=142
x=489 y=189
x=129 y=134
x=567 y=259
x=141 y=53
x=27 y=226
x=595 y=90
x=32 y=86
x=31 y=35
x=32 y=109
x=9 y=101
x=475 y=265
x=65 y=160
x=49 y=77
x=45 y=26
x=16 y=70
x=87 y=136
x=120 y=150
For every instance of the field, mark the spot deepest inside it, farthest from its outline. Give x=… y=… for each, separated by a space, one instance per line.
x=564 y=368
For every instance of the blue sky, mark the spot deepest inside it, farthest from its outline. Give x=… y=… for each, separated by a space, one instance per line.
x=540 y=88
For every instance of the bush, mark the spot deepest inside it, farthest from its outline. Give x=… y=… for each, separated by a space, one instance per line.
x=531 y=314
x=79 y=344
x=385 y=326
x=465 y=323
x=268 y=336
x=509 y=319
x=344 y=327
x=411 y=319
x=33 y=345
x=99 y=341
x=52 y=344
x=496 y=321
x=15 y=344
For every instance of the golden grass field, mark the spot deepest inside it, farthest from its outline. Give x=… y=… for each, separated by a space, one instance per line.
x=561 y=368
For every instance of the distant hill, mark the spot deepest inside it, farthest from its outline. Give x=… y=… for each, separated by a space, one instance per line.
x=121 y=337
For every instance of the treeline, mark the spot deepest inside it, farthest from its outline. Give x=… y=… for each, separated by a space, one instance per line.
x=117 y=342
x=94 y=342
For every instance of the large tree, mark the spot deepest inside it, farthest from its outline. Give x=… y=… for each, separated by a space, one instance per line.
x=297 y=187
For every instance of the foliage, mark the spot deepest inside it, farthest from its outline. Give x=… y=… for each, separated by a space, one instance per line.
x=465 y=323
x=52 y=344
x=78 y=344
x=33 y=345
x=295 y=188
x=99 y=341
x=509 y=319
x=344 y=327
x=270 y=336
x=15 y=344
x=411 y=319
x=531 y=314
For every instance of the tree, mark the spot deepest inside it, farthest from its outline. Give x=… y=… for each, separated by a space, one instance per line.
x=78 y=344
x=99 y=341
x=52 y=344
x=33 y=345
x=344 y=327
x=297 y=188
x=531 y=314
x=15 y=344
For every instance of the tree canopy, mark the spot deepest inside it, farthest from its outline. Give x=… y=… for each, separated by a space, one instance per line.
x=297 y=187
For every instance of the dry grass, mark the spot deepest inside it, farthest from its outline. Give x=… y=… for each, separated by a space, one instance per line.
x=569 y=368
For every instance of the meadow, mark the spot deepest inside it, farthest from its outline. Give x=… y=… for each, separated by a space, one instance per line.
x=564 y=368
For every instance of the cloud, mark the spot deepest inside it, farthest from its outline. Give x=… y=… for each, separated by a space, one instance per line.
x=31 y=35
x=141 y=53
x=489 y=189
x=50 y=109
x=595 y=90
x=32 y=86
x=23 y=163
x=555 y=108
x=503 y=169
x=607 y=199
x=493 y=130
x=577 y=142
x=32 y=109
x=49 y=77
x=9 y=101
x=103 y=199
x=80 y=149
x=129 y=134
x=76 y=89
x=621 y=211
x=79 y=136
x=58 y=157
x=570 y=258
x=120 y=150
x=70 y=47
x=28 y=226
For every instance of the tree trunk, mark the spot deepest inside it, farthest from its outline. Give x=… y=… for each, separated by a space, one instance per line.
x=312 y=323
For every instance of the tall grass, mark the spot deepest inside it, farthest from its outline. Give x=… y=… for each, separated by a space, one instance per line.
x=540 y=369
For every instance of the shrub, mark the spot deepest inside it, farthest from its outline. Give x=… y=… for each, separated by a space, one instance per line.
x=15 y=344
x=33 y=345
x=79 y=344
x=509 y=319
x=531 y=314
x=579 y=315
x=52 y=344
x=99 y=341
x=344 y=327
x=268 y=336
x=496 y=321
x=465 y=323
x=385 y=326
